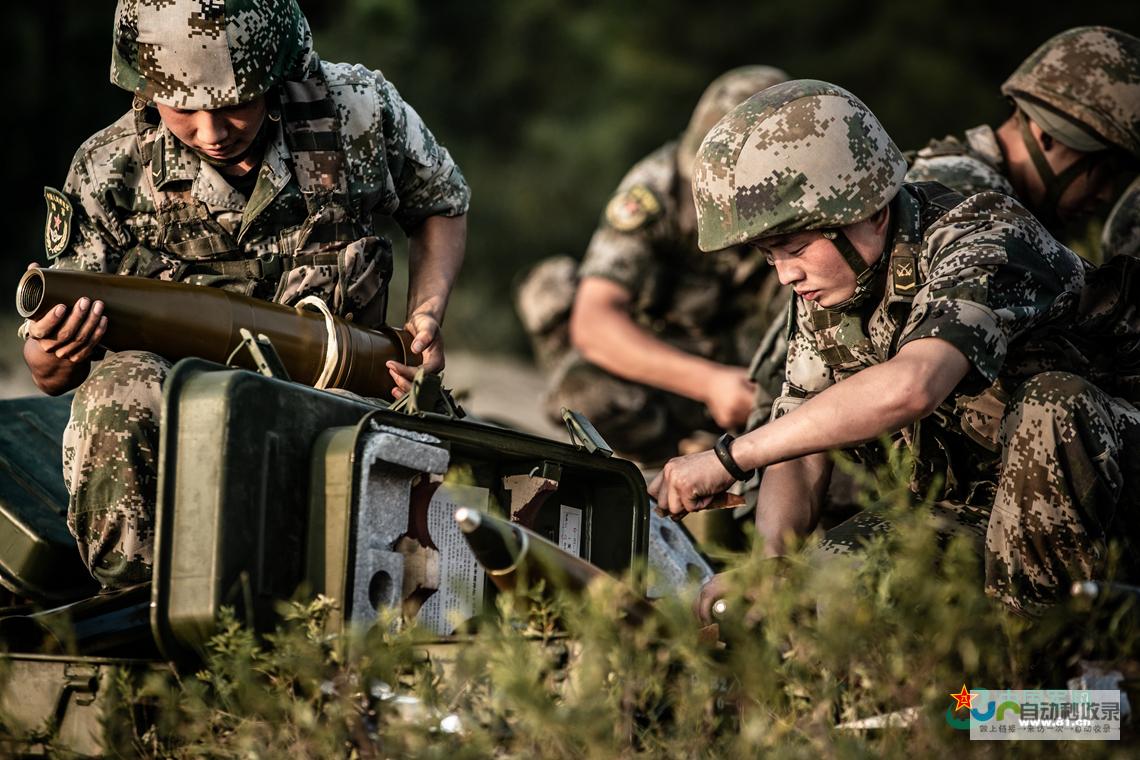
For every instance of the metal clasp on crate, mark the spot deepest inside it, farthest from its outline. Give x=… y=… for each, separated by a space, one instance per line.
x=264 y=355
x=584 y=435
x=428 y=395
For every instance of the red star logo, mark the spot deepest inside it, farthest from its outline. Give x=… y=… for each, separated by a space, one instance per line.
x=963 y=699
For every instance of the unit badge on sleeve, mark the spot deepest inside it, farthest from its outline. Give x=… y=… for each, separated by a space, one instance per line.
x=633 y=208
x=57 y=230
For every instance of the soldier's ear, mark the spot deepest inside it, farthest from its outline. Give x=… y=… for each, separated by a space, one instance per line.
x=880 y=219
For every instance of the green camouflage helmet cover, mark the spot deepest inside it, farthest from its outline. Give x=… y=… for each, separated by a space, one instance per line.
x=803 y=155
x=1091 y=75
x=208 y=54
x=724 y=93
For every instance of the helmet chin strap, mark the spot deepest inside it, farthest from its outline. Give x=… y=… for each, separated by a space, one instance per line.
x=864 y=272
x=1055 y=184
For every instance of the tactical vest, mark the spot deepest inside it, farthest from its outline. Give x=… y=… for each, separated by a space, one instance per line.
x=327 y=250
x=958 y=441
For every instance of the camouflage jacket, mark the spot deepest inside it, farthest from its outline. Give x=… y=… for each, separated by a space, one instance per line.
x=1121 y=236
x=970 y=165
x=976 y=164
x=981 y=274
x=715 y=305
x=137 y=201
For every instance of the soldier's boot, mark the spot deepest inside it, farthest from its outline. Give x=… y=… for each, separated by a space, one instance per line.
x=110 y=466
x=1069 y=482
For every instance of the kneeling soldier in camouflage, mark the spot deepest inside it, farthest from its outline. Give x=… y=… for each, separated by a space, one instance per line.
x=648 y=337
x=916 y=310
x=1072 y=140
x=248 y=164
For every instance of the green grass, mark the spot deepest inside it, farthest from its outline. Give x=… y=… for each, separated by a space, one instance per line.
x=809 y=647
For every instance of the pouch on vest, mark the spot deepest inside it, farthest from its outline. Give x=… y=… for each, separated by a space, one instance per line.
x=352 y=279
x=981 y=415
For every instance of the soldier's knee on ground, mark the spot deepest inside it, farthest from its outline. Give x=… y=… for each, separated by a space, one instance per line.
x=110 y=465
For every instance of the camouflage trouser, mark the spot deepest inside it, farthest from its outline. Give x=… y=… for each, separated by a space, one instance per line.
x=110 y=466
x=639 y=422
x=1069 y=485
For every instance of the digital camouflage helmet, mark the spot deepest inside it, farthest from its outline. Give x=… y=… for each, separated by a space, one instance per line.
x=726 y=92
x=1089 y=75
x=1082 y=87
x=207 y=54
x=803 y=155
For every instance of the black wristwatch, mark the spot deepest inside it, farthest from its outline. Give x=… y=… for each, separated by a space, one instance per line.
x=723 y=449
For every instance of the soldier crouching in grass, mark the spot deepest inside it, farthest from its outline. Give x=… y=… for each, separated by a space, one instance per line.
x=248 y=164
x=648 y=337
x=924 y=314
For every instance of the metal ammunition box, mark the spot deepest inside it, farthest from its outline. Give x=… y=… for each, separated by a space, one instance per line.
x=267 y=490
x=38 y=559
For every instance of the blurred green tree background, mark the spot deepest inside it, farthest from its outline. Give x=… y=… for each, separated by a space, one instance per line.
x=546 y=104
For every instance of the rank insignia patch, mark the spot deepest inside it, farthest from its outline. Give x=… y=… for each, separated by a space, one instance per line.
x=903 y=275
x=632 y=208
x=57 y=230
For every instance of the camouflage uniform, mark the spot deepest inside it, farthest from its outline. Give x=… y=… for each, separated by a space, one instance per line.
x=971 y=164
x=1121 y=235
x=713 y=307
x=137 y=201
x=1031 y=453
x=1084 y=79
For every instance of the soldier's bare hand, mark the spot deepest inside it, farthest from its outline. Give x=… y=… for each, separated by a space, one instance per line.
x=730 y=396
x=70 y=334
x=427 y=339
x=689 y=483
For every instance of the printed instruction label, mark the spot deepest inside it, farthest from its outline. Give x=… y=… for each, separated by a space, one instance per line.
x=570 y=530
x=460 y=594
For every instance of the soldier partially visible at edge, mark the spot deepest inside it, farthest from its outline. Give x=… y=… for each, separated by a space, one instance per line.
x=1072 y=138
x=921 y=311
x=648 y=338
x=246 y=163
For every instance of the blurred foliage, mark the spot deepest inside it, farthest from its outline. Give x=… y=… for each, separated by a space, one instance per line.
x=807 y=646
x=546 y=104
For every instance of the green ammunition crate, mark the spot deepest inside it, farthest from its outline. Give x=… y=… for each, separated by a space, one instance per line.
x=38 y=557
x=593 y=506
x=260 y=479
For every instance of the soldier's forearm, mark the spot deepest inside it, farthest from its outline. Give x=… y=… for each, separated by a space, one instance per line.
x=435 y=257
x=789 y=500
x=610 y=339
x=874 y=401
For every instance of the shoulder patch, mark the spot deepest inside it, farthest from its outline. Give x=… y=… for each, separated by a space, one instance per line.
x=633 y=208
x=57 y=229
